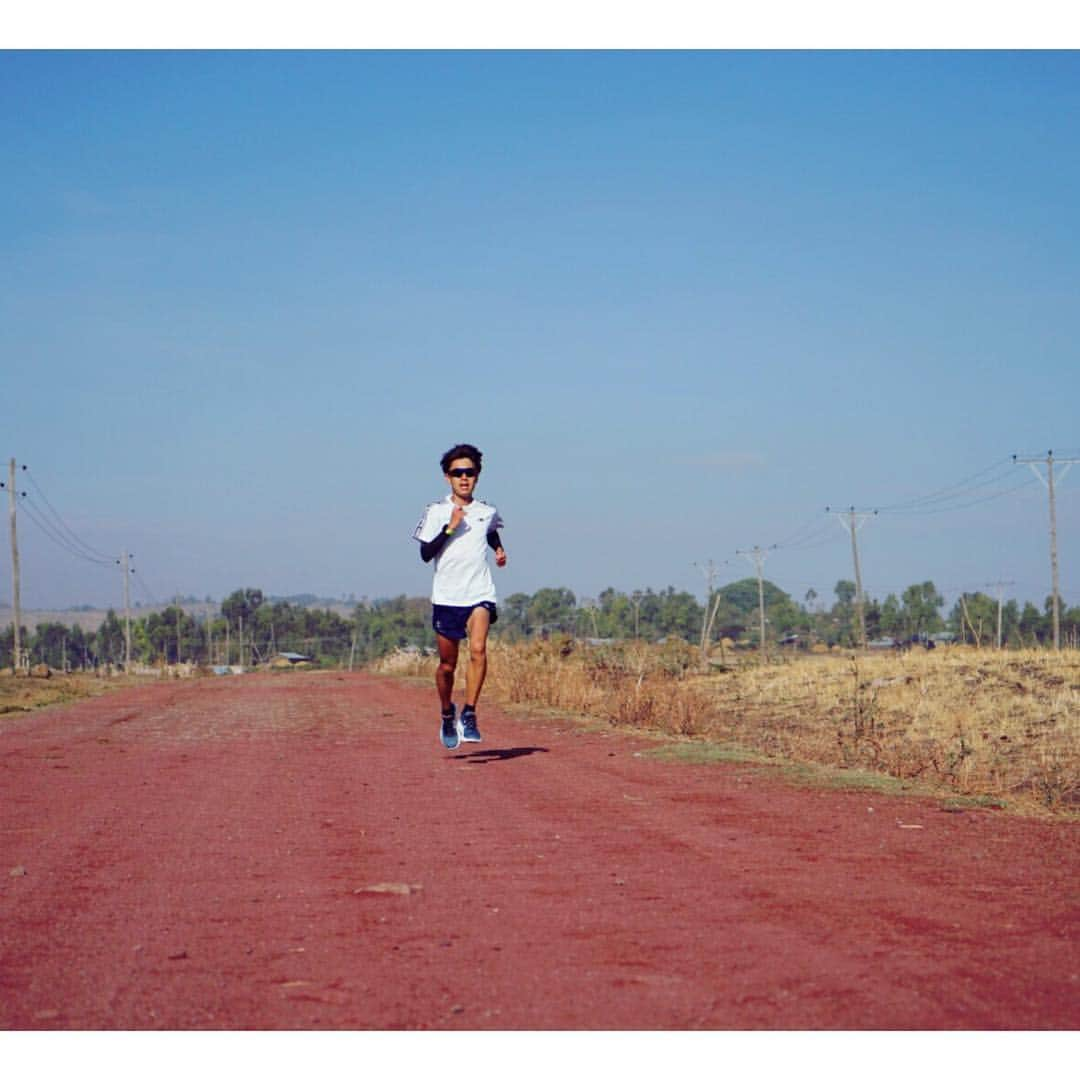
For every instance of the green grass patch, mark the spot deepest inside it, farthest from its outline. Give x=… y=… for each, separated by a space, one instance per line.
x=701 y=753
x=807 y=774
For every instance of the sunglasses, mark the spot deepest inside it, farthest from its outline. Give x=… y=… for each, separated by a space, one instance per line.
x=461 y=472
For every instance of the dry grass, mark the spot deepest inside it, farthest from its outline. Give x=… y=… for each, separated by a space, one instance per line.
x=981 y=724
x=22 y=694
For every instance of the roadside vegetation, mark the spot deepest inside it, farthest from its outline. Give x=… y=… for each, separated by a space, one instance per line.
x=248 y=627
x=999 y=727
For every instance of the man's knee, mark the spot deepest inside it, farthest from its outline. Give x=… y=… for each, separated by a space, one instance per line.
x=478 y=651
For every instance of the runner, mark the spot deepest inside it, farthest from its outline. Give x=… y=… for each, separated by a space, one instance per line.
x=456 y=533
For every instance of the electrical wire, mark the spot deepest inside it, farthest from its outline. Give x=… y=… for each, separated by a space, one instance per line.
x=58 y=538
x=973 y=502
x=991 y=475
x=62 y=525
x=822 y=537
x=812 y=526
x=145 y=589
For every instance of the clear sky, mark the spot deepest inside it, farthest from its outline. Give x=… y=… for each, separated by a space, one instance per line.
x=682 y=301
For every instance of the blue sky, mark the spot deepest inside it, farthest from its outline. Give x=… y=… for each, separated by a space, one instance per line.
x=683 y=302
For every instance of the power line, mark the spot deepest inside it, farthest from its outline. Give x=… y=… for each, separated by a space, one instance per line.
x=961 y=505
x=959 y=489
x=63 y=526
x=38 y=517
x=145 y=589
x=811 y=527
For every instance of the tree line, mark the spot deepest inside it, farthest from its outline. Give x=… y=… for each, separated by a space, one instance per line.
x=248 y=628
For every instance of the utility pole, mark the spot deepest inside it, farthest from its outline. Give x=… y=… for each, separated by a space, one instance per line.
x=709 y=570
x=1000 y=586
x=757 y=556
x=16 y=645
x=853 y=521
x=126 y=570
x=1048 y=483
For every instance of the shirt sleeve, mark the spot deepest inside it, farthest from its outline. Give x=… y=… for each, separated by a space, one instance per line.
x=496 y=522
x=428 y=527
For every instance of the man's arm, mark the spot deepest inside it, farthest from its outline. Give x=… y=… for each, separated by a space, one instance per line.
x=496 y=545
x=430 y=548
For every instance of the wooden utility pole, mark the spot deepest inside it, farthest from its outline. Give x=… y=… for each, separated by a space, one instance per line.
x=757 y=556
x=1055 y=591
x=1000 y=586
x=126 y=571
x=16 y=648
x=853 y=523
x=707 y=616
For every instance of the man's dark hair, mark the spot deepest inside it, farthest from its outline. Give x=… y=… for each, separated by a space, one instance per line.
x=462 y=450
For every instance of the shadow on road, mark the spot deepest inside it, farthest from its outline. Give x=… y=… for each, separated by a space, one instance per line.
x=483 y=757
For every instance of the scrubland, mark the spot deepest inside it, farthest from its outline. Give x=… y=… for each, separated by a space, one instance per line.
x=997 y=727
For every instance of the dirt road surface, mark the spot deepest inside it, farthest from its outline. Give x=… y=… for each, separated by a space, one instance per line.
x=298 y=852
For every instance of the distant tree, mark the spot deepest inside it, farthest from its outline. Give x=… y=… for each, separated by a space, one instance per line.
x=48 y=643
x=975 y=614
x=241 y=604
x=553 y=609
x=173 y=636
x=892 y=622
x=1032 y=627
x=872 y=612
x=921 y=604
x=514 y=616
x=738 y=606
x=109 y=639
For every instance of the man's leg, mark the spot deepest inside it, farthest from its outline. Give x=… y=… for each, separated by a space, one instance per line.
x=449 y=732
x=479 y=624
x=444 y=673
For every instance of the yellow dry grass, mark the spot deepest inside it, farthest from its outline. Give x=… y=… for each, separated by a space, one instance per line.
x=22 y=693
x=993 y=725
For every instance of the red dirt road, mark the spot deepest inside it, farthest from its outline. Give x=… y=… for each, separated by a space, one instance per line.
x=298 y=852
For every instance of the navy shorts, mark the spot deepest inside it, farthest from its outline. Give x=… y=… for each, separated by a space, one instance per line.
x=453 y=622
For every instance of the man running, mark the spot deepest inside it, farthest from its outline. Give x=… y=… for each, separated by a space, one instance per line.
x=456 y=533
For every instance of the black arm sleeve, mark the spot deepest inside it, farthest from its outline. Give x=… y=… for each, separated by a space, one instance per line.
x=430 y=548
x=493 y=541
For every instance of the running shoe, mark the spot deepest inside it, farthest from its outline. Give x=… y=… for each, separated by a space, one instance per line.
x=449 y=732
x=469 y=731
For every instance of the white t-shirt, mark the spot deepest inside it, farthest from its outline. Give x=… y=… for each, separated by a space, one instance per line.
x=462 y=574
